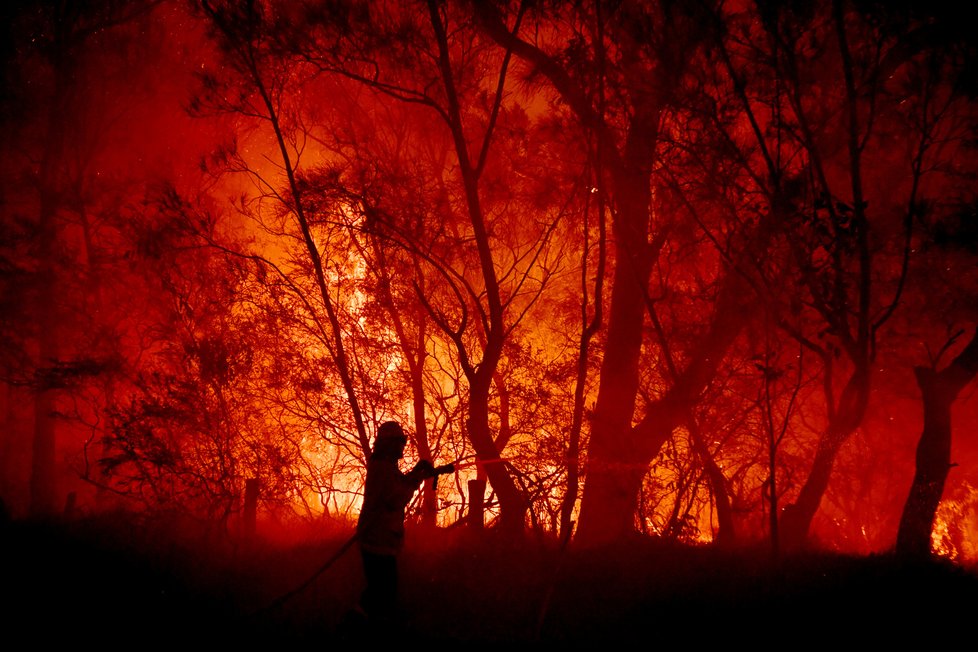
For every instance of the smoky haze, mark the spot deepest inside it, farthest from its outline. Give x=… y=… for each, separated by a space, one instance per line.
x=664 y=285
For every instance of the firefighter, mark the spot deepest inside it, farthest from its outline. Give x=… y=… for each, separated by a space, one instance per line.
x=380 y=528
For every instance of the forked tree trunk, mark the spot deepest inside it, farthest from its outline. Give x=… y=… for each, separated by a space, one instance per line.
x=513 y=505
x=939 y=389
x=619 y=455
x=615 y=468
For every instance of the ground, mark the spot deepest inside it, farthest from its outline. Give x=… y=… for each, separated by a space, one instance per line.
x=121 y=586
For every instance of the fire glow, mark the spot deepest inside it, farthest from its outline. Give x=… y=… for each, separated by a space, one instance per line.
x=713 y=287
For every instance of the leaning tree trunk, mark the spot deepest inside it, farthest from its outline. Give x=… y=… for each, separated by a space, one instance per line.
x=796 y=521
x=726 y=532
x=939 y=389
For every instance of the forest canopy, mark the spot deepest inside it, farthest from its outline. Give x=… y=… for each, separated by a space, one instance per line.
x=703 y=271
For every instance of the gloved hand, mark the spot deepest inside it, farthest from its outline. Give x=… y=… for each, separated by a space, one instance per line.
x=424 y=468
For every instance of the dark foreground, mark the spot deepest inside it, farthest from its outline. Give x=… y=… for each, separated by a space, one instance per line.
x=117 y=588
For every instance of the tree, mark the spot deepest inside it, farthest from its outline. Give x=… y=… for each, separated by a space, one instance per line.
x=490 y=266
x=260 y=86
x=55 y=150
x=938 y=389
x=845 y=249
x=648 y=75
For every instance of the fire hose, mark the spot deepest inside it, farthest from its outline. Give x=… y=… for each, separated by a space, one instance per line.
x=444 y=469
x=436 y=471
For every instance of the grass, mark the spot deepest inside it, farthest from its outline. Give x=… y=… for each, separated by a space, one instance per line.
x=120 y=585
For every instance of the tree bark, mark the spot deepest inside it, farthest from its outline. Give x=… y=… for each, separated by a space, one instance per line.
x=615 y=469
x=797 y=518
x=939 y=389
x=726 y=532
x=477 y=503
x=512 y=503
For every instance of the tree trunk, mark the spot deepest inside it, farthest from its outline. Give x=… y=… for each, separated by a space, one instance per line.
x=414 y=357
x=614 y=470
x=588 y=328
x=239 y=45
x=477 y=501
x=797 y=518
x=938 y=392
x=44 y=502
x=772 y=488
x=43 y=461
x=616 y=467
x=726 y=532
x=429 y=495
x=250 y=515
x=512 y=504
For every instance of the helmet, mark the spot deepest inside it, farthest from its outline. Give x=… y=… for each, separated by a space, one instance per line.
x=390 y=430
x=390 y=441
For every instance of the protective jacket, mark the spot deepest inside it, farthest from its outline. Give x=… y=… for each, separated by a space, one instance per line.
x=380 y=527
